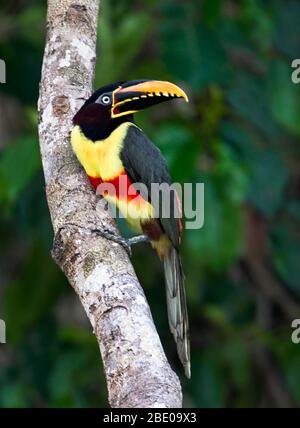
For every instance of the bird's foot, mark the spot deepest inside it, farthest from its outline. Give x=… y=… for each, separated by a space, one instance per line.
x=126 y=243
x=137 y=239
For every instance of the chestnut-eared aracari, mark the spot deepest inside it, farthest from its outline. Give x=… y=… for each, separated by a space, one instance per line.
x=111 y=147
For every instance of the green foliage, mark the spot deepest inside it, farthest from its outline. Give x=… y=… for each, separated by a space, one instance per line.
x=265 y=164
x=238 y=135
x=285 y=104
x=18 y=164
x=43 y=280
x=192 y=52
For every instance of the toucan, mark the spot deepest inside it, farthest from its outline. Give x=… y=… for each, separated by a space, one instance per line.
x=112 y=149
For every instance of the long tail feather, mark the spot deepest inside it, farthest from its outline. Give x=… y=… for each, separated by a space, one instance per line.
x=177 y=309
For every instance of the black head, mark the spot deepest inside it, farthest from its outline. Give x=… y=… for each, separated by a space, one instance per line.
x=116 y=103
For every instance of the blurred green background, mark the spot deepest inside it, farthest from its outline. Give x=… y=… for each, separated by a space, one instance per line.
x=239 y=135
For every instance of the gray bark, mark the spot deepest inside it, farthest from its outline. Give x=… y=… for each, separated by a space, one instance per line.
x=136 y=368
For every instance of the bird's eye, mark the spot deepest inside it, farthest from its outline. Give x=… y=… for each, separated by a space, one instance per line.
x=105 y=99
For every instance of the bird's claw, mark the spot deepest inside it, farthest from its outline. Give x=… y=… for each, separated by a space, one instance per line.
x=126 y=243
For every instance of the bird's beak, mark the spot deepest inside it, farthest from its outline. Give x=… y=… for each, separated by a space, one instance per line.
x=130 y=97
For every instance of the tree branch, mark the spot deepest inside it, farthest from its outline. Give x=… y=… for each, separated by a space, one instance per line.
x=136 y=368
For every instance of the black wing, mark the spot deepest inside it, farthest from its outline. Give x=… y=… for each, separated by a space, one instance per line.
x=145 y=164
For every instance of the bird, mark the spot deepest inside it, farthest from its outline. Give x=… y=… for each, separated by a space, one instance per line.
x=113 y=150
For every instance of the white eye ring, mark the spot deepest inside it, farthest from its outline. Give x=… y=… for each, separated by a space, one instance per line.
x=105 y=99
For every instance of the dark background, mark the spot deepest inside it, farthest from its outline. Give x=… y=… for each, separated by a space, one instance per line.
x=239 y=135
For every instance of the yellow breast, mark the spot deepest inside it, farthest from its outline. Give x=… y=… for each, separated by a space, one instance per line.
x=100 y=158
